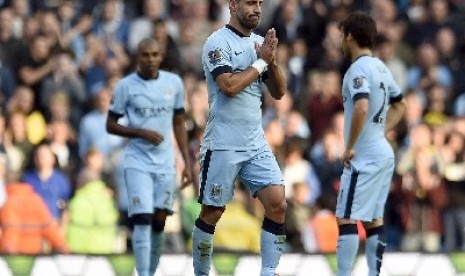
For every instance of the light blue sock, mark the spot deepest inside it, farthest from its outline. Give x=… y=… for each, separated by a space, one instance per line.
x=202 y=247
x=374 y=249
x=141 y=248
x=347 y=247
x=156 y=250
x=272 y=240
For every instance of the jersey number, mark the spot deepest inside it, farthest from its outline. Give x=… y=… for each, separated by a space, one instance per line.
x=377 y=119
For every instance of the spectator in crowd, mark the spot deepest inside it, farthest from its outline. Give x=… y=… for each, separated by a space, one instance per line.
x=436 y=15
x=63 y=142
x=23 y=101
x=297 y=169
x=48 y=181
x=428 y=71
x=170 y=49
x=454 y=213
x=73 y=27
x=386 y=51
x=93 y=216
x=35 y=66
x=323 y=226
x=421 y=167
x=142 y=26
x=64 y=79
x=323 y=101
x=111 y=27
x=286 y=20
x=17 y=139
x=298 y=213
x=329 y=167
x=3 y=180
x=10 y=45
x=436 y=113
x=26 y=222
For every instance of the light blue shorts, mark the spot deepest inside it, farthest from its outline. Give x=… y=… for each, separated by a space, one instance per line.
x=256 y=169
x=148 y=191
x=364 y=190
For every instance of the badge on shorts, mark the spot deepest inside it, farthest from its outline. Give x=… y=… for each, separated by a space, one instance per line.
x=216 y=190
x=358 y=82
x=215 y=56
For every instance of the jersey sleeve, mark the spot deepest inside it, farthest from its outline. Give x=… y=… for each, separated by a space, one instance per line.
x=358 y=84
x=217 y=56
x=119 y=99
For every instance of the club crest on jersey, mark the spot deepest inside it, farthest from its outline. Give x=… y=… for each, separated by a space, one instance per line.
x=215 y=56
x=358 y=82
x=168 y=92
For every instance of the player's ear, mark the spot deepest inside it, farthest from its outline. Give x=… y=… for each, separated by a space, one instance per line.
x=233 y=5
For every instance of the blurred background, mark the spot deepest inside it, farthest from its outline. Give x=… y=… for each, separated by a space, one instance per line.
x=61 y=189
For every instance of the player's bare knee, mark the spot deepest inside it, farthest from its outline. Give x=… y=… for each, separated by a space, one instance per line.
x=276 y=209
x=374 y=223
x=211 y=214
x=342 y=221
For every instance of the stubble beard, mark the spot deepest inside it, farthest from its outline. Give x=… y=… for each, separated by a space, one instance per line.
x=250 y=25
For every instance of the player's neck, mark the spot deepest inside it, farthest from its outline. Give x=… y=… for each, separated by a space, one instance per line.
x=146 y=76
x=357 y=53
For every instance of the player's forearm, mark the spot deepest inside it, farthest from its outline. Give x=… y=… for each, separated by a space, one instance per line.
x=181 y=138
x=276 y=82
x=233 y=83
x=114 y=128
x=395 y=113
x=359 y=116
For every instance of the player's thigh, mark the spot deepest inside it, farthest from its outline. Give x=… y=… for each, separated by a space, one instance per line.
x=218 y=171
x=385 y=180
x=362 y=190
x=140 y=189
x=164 y=192
x=260 y=170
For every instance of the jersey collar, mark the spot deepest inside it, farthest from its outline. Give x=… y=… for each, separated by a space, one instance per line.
x=235 y=31
x=145 y=78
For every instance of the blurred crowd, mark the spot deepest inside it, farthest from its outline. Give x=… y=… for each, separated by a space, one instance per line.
x=61 y=186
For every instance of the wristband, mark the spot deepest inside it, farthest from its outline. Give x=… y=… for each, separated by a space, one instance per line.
x=260 y=65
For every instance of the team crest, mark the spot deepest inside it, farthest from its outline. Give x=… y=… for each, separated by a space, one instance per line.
x=136 y=200
x=168 y=92
x=216 y=190
x=358 y=82
x=215 y=56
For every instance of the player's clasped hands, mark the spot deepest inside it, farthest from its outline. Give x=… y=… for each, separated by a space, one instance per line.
x=267 y=51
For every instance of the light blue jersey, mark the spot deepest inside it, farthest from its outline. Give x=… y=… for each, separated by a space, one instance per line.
x=149 y=104
x=368 y=77
x=234 y=123
x=365 y=184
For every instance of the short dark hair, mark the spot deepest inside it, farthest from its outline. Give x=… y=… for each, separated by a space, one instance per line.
x=361 y=26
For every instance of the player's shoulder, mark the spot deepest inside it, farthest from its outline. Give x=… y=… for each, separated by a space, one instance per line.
x=127 y=81
x=217 y=35
x=169 y=77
